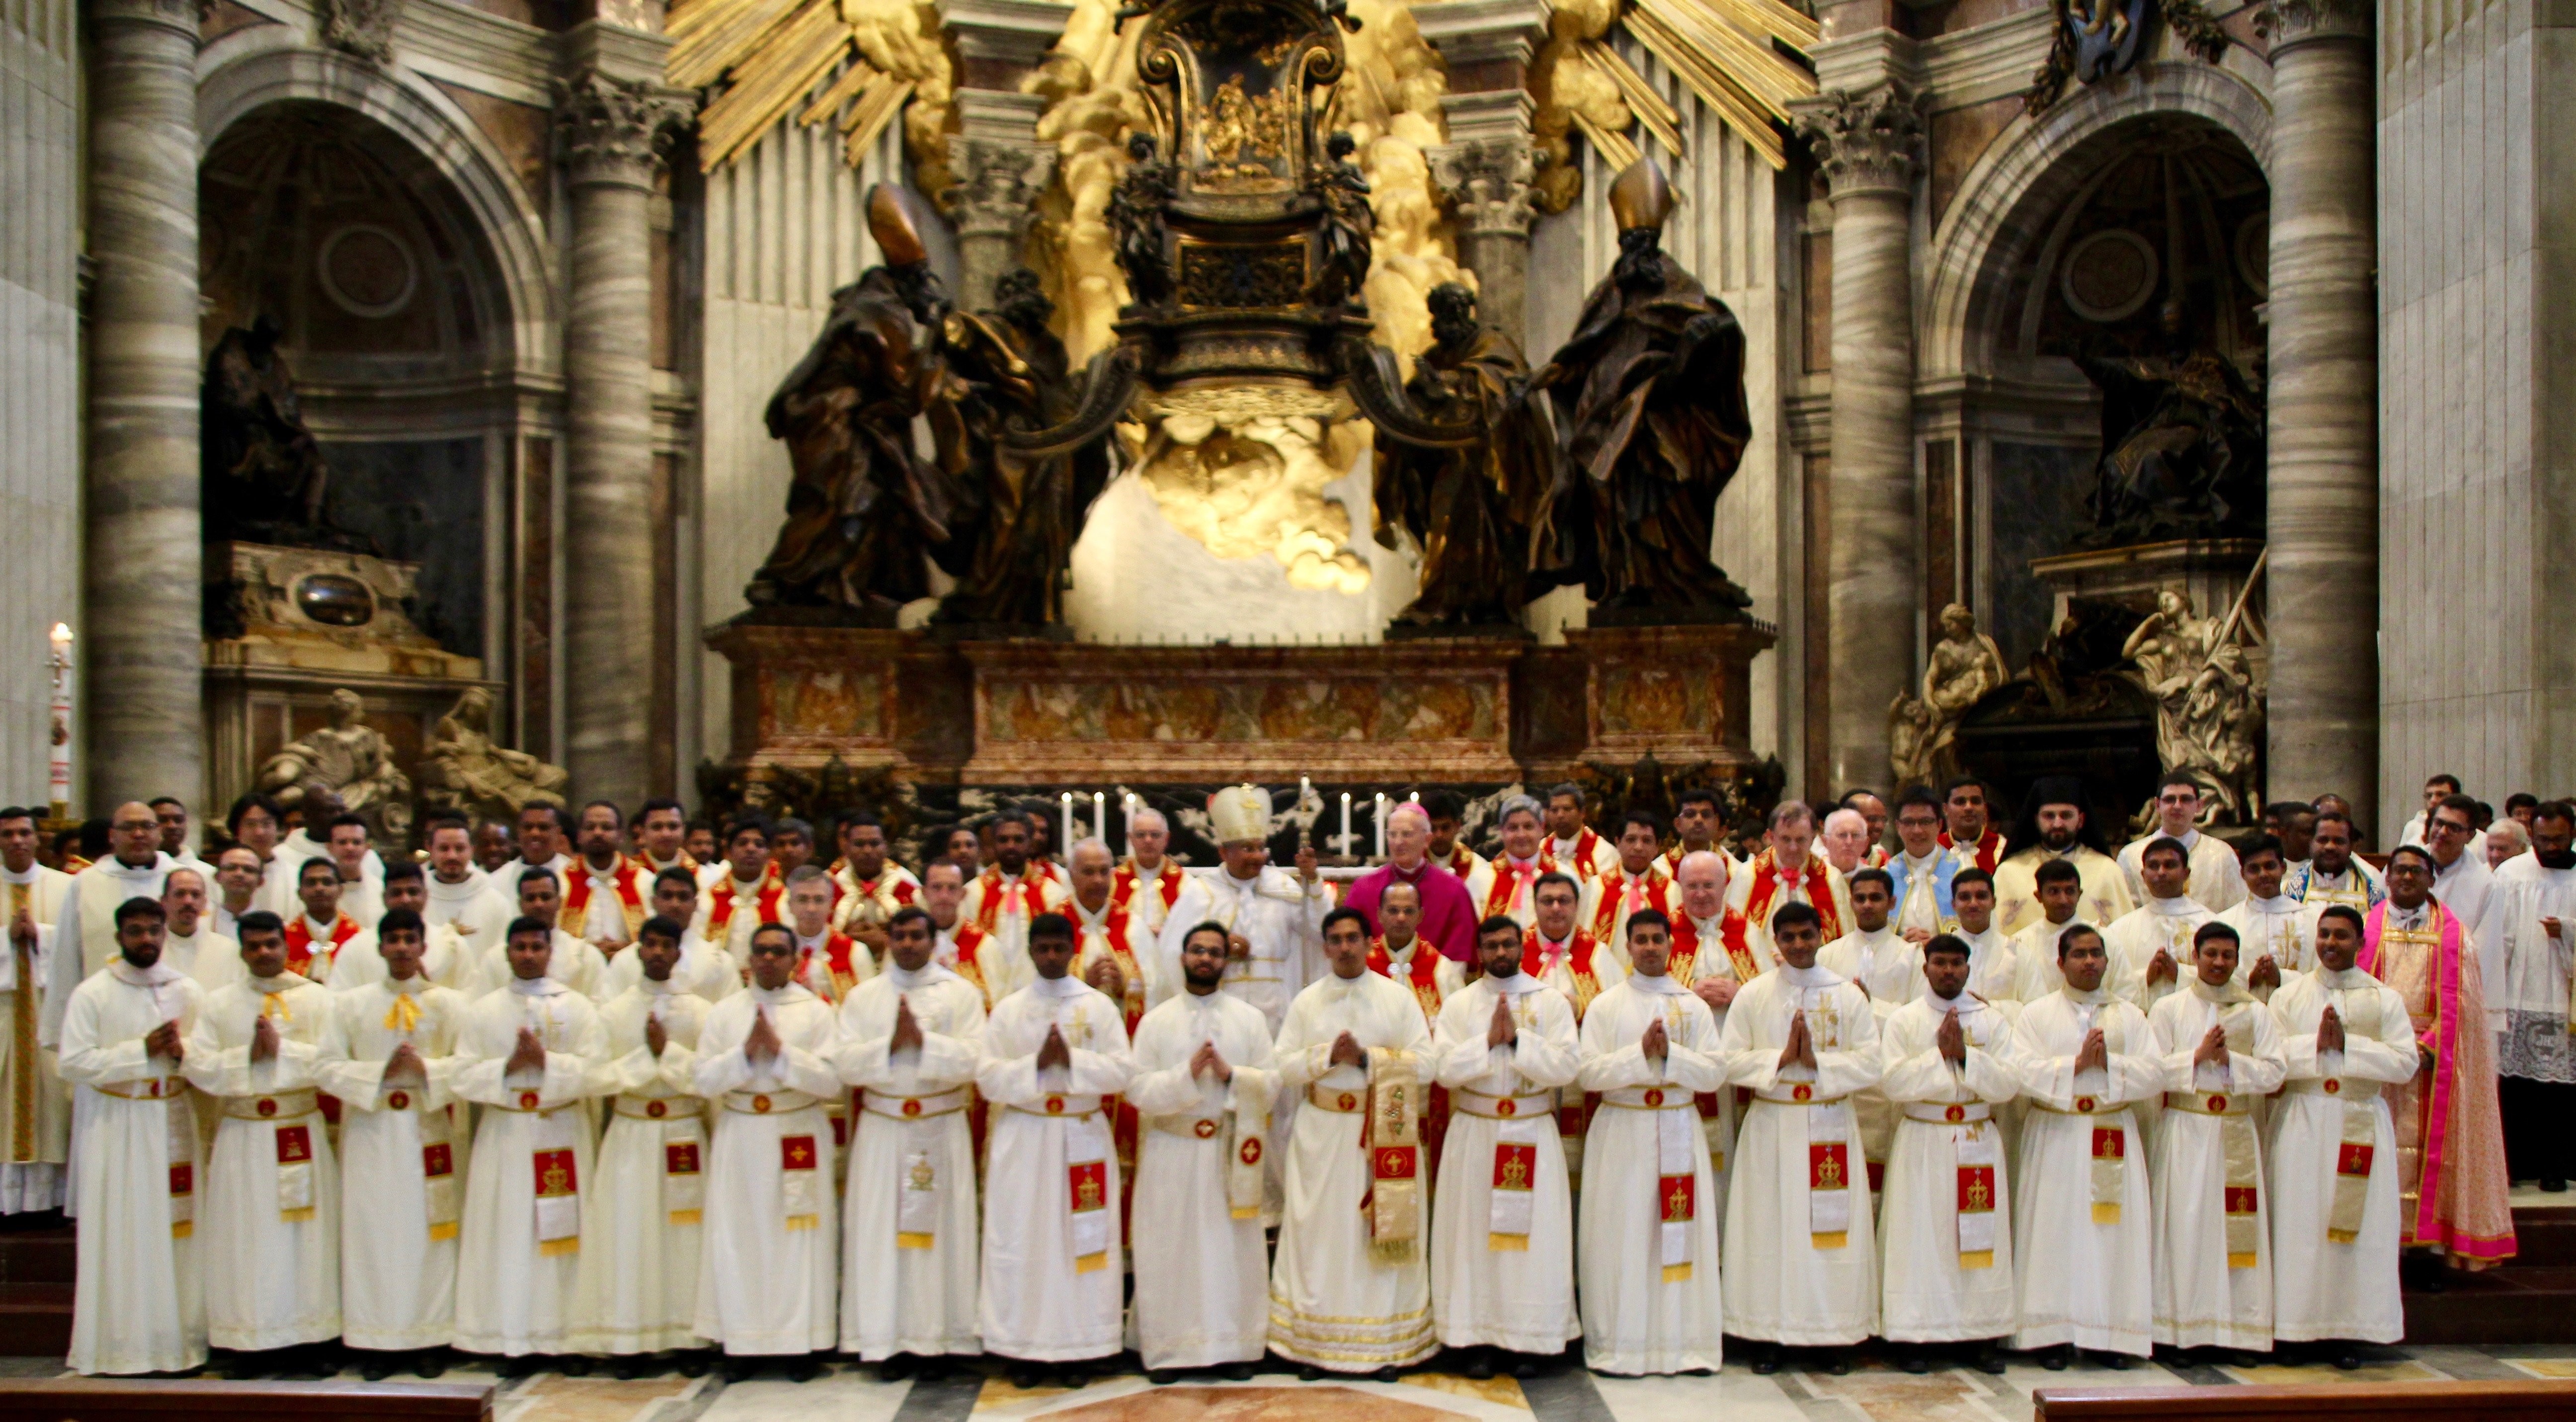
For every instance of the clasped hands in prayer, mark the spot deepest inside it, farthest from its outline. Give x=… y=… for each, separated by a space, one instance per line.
x=1801 y=1047
x=163 y=1041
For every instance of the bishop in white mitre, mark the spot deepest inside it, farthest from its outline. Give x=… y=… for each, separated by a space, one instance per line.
x=1274 y=916
x=911 y=1039
x=1052 y=1285
x=769 y=1280
x=1203 y=1088
x=2150 y=944
x=1647 y=1226
x=2222 y=1054
x=137 y=1302
x=269 y=1233
x=1801 y=1263
x=2345 y=1038
x=1502 y=1241
x=2083 y=1254
x=1948 y=1060
x=2270 y=925
x=642 y=1240
x=401 y=1151
x=1350 y=1289
x=526 y=1057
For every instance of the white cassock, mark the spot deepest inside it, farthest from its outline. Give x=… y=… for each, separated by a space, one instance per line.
x=575 y=962
x=2217 y=882
x=2467 y=888
x=1651 y=1293
x=530 y=1178
x=908 y=1278
x=137 y=1303
x=1945 y=1224
x=472 y=910
x=641 y=1238
x=2280 y=929
x=2133 y=939
x=402 y=1163
x=87 y=922
x=1554 y=965
x=2083 y=1225
x=1052 y=1286
x=1994 y=969
x=704 y=969
x=2035 y=957
x=1890 y=970
x=504 y=881
x=1502 y=1235
x=2334 y=1234
x=769 y=1280
x=2529 y=1005
x=1202 y=1271
x=2213 y=1236
x=443 y=960
x=1284 y=922
x=1336 y=1301
x=1801 y=1264
x=269 y=1235
x=2105 y=887
x=1002 y=906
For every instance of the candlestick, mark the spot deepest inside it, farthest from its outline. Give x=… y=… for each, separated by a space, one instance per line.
x=1305 y=787
x=1064 y=841
x=1344 y=844
x=58 y=759
x=1381 y=824
x=1099 y=819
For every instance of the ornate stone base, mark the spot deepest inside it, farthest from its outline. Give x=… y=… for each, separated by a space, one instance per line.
x=1678 y=693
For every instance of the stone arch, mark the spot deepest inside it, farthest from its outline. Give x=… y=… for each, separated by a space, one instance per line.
x=2001 y=223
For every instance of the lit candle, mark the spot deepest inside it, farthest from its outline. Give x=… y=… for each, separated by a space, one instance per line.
x=1305 y=788
x=1064 y=841
x=1100 y=817
x=1345 y=842
x=58 y=767
x=1381 y=824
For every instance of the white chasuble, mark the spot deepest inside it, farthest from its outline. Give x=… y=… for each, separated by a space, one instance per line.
x=268 y=1233
x=2332 y=1150
x=137 y=1304
x=1052 y=1281
x=1342 y=1298
x=2083 y=1230
x=1945 y=1224
x=1202 y=1270
x=1502 y=1239
x=642 y=1238
x=1801 y=1261
x=768 y=1276
x=402 y=1163
x=909 y=1236
x=519 y=1255
x=1647 y=1225
x=2213 y=1237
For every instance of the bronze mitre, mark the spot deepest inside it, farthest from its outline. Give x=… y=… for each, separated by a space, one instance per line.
x=1642 y=197
x=896 y=226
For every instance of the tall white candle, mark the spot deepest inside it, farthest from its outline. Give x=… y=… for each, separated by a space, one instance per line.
x=1344 y=844
x=1064 y=841
x=1099 y=819
x=1381 y=824
x=58 y=759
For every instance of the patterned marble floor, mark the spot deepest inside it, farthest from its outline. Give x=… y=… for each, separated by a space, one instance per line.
x=1871 y=1392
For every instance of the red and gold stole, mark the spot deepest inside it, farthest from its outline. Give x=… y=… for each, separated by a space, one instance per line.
x=837 y=959
x=1578 y=963
x=576 y=906
x=1654 y=891
x=1990 y=849
x=1021 y=897
x=299 y=942
x=1167 y=884
x=970 y=940
x=1764 y=897
x=1422 y=974
x=1510 y=884
x=720 y=900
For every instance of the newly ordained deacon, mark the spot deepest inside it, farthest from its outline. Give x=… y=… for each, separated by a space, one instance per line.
x=1272 y=917
x=1801 y=1262
x=1556 y=952
x=2150 y=943
x=1786 y=873
x=2271 y=927
x=1350 y=1290
x=1890 y=970
x=704 y=969
x=525 y=1056
x=911 y=1039
x=1948 y=1060
x=2084 y=1253
x=1994 y=974
x=544 y=835
x=2053 y=829
x=1204 y=1087
x=1052 y=1283
x=1003 y=900
x=743 y=891
x=1647 y=1223
x=769 y=1281
x=1156 y=884
x=1502 y=1242
x=2215 y=881
x=270 y=1230
x=2222 y=1053
x=138 y=1304
x=461 y=898
x=2531 y=914
x=2333 y=1150
x=35 y=1119
x=2060 y=889
x=402 y=1133
x=574 y=962
x=86 y=932
x=641 y=1241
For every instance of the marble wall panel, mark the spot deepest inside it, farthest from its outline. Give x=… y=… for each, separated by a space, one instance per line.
x=422 y=501
x=2037 y=493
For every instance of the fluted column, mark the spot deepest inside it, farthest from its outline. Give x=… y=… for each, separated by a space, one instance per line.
x=1868 y=145
x=614 y=130
x=1001 y=166
x=142 y=564
x=1487 y=167
x=2323 y=518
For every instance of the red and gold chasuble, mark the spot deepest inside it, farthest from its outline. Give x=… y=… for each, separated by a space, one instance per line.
x=1167 y=886
x=1765 y=896
x=576 y=906
x=1021 y=897
x=1511 y=885
x=836 y=951
x=299 y=942
x=721 y=901
x=1990 y=849
x=1587 y=846
x=1655 y=890
x=969 y=965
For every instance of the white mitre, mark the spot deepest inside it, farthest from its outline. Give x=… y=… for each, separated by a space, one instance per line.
x=1240 y=812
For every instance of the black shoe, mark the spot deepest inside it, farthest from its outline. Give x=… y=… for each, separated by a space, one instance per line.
x=1480 y=1367
x=805 y=1368
x=376 y=1368
x=575 y=1366
x=1308 y=1372
x=1916 y=1361
x=2116 y=1362
x=627 y=1367
x=1766 y=1360
x=1838 y=1363
x=2055 y=1359
x=1387 y=1374
x=695 y=1363
x=431 y=1363
x=1162 y=1377
x=520 y=1366
x=898 y=1367
x=1990 y=1362
x=740 y=1369
x=2549 y=1186
x=1526 y=1366
x=1027 y=1376
x=1237 y=1372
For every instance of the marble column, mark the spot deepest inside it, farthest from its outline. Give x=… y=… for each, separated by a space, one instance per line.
x=1002 y=168
x=1869 y=145
x=142 y=563
x=1487 y=166
x=614 y=130
x=2322 y=601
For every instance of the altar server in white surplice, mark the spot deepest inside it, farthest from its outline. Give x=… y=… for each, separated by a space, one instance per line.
x=641 y=1243
x=269 y=1231
x=1052 y=1285
x=1502 y=1241
x=1801 y=1264
x=402 y=1151
x=768 y=1283
x=911 y=1038
x=1945 y=1228
x=2083 y=1229
x=1647 y=1226
x=526 y=1057
x=1203 y=1089
x=2222 y=1053
x=2150 y=945
x=137 y=1306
